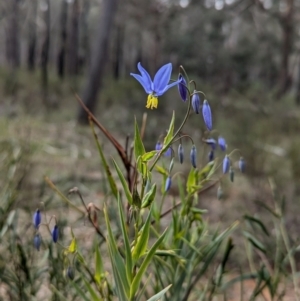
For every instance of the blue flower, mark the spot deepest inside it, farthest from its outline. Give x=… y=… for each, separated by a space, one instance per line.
x=206 y=112
x=196 y=102
x=242 y=164
x=158 y=146
x=37 y=241
x=168 y=152
x=226 y=164
x=211 y=156
x=37 y=218
x=168 y=184
x=212 y=142
x=193 y=156
x=158 y=86
x=182 y=88
x=180 y=153
x=54 y=234
x=222 y=143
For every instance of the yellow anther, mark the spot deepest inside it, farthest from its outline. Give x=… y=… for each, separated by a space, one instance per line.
x=152 y=102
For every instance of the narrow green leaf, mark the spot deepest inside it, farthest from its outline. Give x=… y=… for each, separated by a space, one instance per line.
x=255 y=242
x=169 y=135
x=258 y=222
x=139 y=149
x=110 y=178
x=161 y=170
x=149 y=197
x=148 y=156
x=117 y=260
x=160 y=294
x=99 y=265
x=138 y=277
x=59 y=294
x=80 y=292
x=91 y=290
x=142 y=241
x=73 y=245
x=204 y=172
x=128 y=256
x=124 y=183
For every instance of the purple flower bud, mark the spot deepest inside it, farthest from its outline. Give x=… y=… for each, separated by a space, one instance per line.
x=211 y=156
x=222 y=143
x=168 y=152
x=193 y=156
x=180 y=153
x=212 y=142
x=182 y=88
x=37 y=241
x=196 y=102
x=37 y=218
x=242 y=165
x=226 y=164
x=231 y=174
x=168 y=184
x=55 y=234
x=206 y=112
x=158 y=146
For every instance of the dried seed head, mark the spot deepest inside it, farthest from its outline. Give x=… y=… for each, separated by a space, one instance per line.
x=222 y=143
x=193 y=156
x=226 y=164
x=180 y=153
x=206 y=112
x=37 y=218
x=182 y=88
x=196 y=102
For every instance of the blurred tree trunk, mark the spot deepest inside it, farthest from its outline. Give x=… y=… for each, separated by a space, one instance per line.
x=45 y=52
x=287 y=26
x=12 y=35
x=73 y=39
x=32 y=37
x=99 y=59
x=84 y=53
x=63 y=39
x=117 y=60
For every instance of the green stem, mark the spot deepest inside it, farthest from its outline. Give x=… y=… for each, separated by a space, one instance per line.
x=174 y=136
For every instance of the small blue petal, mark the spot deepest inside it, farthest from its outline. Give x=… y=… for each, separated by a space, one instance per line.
x=206 y=112
x=168 y=152
x=242 y=165
x=162 y=78
x=193 y=156
x=37 y=241
x=180 y=153
x=37 y=218
x=158 y=146
x=211 y=156
x=168 y=87
x=146 y=77
x=212 y=142
x=142 y=81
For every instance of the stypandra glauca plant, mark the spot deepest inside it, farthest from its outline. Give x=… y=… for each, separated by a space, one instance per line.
x=155 y=253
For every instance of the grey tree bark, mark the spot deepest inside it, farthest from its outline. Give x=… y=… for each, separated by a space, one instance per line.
x=99 y=58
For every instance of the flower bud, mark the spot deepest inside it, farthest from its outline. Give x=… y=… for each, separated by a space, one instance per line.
x=168 y=184
x=212 y=142
x=211 y=156
x=54 y=234
x=193 y=156
x=37 y=218
x=182 y=88
x=206 y=112
x=37 y=241
x=168 y=152
x=220 y=193
x=158 y=146
x=222 y=143
x=231 y=174
x=70 y=273
x=196 y=102
x=180 y=153
x=226 y=164
x=242 y=165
